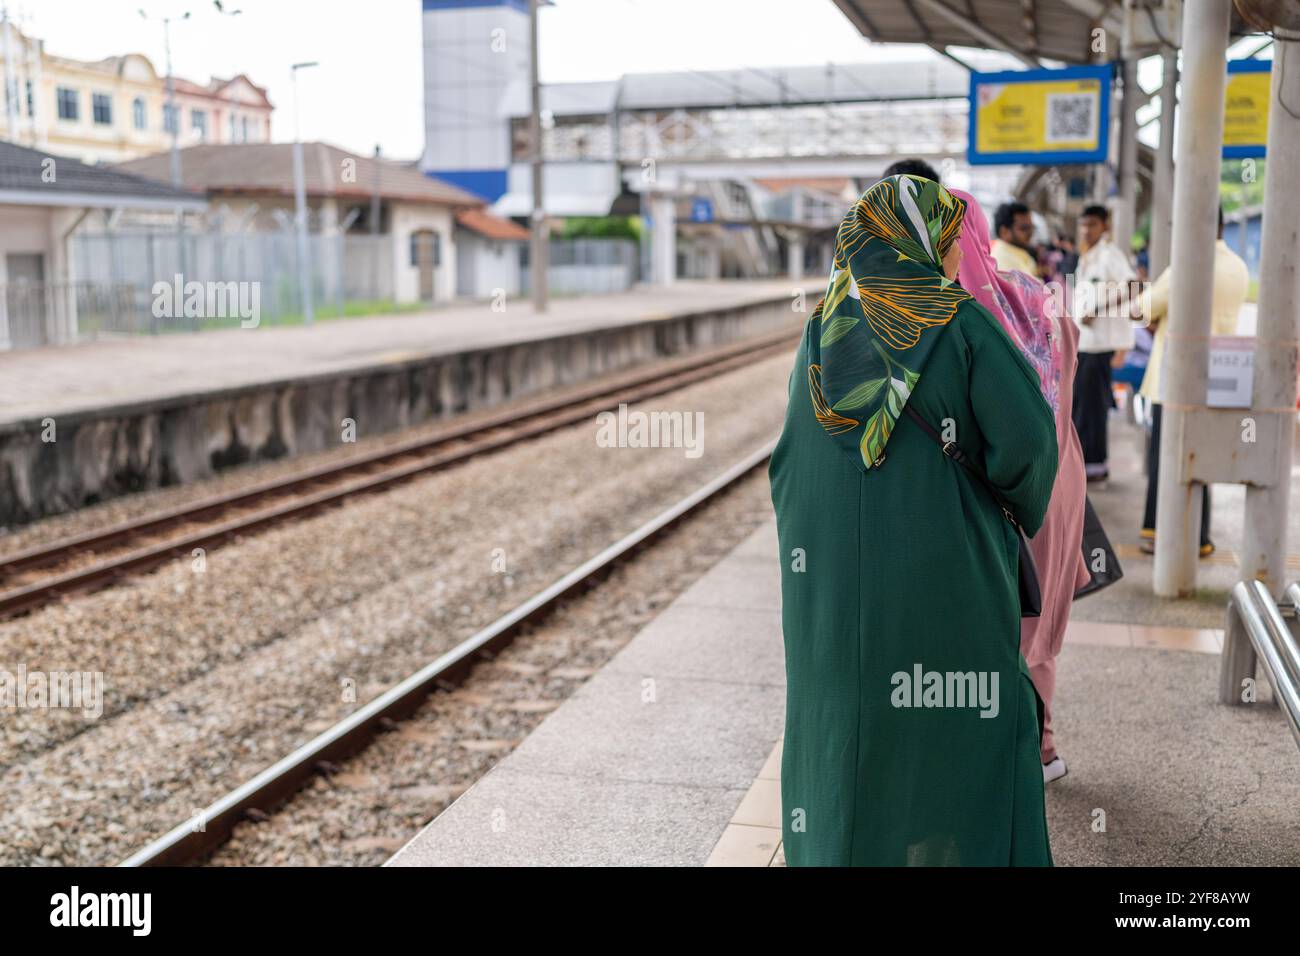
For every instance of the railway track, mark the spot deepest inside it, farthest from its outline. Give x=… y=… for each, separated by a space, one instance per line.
x=195 y=838
x=37 y=576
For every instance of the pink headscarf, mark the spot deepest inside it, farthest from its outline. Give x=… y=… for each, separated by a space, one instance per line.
x=1019 y=302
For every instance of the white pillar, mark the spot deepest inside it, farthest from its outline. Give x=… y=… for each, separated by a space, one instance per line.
x=663 y=252
x=1263 y=551
x=1162 y=191
x=6 y=342
x=61 y=323
x=329 y=216
x=1126 y=201
x=1187 y=345
x=795 y=246
x=399 y=233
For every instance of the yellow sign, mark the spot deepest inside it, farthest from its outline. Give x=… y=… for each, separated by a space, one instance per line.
x=1245 y=108
x=1040 y=116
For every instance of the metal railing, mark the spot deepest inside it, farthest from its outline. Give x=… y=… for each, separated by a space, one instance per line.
x=33 y=314
x=1257 y=630
x=586 y=266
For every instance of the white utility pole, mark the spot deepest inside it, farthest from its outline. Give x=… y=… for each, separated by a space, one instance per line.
x=300 y=202
x=539 y=250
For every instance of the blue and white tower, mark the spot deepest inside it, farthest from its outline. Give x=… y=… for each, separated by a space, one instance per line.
x=473 y=50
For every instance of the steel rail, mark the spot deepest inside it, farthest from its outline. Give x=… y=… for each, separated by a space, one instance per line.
x=194 y=838
x=378 y=470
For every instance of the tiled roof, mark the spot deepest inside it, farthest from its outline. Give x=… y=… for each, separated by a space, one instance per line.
x=490 y=226
x=327 y=171
x=25 y=170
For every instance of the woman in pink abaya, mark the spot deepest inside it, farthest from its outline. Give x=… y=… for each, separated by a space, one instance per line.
x=1039 y=323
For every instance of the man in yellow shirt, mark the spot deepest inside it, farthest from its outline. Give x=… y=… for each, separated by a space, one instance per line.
x=1015 y=231
x=1231 y=283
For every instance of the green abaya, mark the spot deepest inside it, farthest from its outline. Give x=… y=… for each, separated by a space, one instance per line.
x=911 y=733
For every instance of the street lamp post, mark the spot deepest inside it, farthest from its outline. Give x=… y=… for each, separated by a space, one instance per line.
x=171 y=110
x=224 y=12
x=171 y=93
x=300 y=201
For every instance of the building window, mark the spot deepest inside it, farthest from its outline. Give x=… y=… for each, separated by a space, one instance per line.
x=199 y=123
x=233 y=127
x=171 y=119
x=101 y=109
x=31 y=100
x=428 y=239
x=243 y=129
x=137 y=113
x=67 y=104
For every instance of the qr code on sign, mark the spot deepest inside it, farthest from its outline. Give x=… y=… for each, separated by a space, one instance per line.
x=1071 y=117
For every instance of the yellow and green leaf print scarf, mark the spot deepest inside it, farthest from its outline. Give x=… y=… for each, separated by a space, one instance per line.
x=887 y=301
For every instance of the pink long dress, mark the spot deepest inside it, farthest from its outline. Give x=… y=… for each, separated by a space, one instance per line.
x=1040 y=325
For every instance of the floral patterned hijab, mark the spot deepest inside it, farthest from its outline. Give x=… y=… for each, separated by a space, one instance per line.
x=887 y=301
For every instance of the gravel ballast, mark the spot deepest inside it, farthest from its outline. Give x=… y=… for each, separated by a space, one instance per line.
x=210 y=676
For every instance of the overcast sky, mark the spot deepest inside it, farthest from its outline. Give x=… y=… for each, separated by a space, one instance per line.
x=368 y=87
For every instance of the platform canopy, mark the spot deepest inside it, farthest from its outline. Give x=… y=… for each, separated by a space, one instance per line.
x=1036 y=32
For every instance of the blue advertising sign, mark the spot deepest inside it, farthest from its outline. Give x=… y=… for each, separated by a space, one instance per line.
x=701 y=210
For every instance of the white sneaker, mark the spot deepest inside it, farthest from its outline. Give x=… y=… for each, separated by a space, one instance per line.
x=1054 y=770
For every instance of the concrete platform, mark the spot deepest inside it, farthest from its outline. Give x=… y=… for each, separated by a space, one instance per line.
x=671 y=754
x=1160 y=773
x=648 y=762
x=131 y=414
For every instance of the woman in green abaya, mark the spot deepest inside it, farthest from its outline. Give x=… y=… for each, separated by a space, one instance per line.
x=911 y=734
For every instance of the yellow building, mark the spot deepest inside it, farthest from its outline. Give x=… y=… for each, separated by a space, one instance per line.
x=115 y=109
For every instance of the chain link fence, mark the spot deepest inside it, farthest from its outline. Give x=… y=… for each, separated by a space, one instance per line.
x=343 y=269
x=587 y=266
x=156 y=282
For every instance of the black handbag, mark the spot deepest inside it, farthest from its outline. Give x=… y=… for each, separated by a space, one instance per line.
x=1097 y=546
x=1031 y=595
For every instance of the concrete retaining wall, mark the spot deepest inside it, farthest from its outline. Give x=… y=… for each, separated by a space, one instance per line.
x=104 y=453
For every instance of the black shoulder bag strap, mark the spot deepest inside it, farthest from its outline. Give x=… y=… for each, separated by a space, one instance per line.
x=1031 y=595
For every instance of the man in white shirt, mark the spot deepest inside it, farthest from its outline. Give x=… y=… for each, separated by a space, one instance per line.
x=1231 y=284
x=1102 y=282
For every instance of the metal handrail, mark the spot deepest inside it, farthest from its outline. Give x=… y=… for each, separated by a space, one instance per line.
x=1252 y=609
